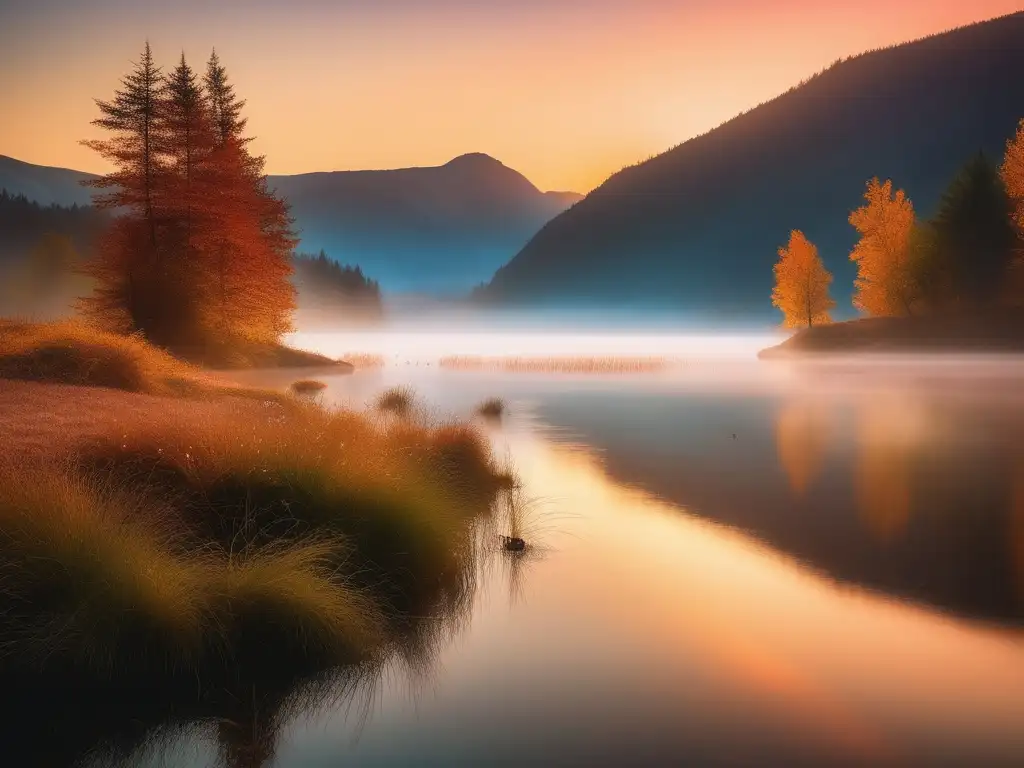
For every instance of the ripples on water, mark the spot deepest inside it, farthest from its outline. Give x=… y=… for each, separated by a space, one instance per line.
x=741 y=563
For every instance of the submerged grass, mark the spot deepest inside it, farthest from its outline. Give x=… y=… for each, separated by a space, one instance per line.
x=566 y=364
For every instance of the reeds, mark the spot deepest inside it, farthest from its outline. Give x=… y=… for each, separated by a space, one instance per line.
x=565 y=364
x=396 y=400
x=364 y=360
x=492 y=409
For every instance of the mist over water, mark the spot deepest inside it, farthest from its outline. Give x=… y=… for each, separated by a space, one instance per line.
x=429 y=344
x=743 y=562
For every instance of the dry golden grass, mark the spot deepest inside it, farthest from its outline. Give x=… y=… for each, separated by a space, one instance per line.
x=73 y=352
x=110 y=578
x=581 y=365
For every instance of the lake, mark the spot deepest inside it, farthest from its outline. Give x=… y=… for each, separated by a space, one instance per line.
x=734 y=563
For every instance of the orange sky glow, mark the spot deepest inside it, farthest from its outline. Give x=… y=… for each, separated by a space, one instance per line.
x=565 y=91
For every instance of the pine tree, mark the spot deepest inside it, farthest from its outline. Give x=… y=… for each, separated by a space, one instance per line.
x=253 y=297
x=801 y=284
x=199 y=257
x=190 y=199
x=225 y=106
x=886 y=275
x=973 y=234
x=128 y=267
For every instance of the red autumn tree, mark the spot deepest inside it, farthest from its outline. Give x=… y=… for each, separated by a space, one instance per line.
x=251 y=295
x=200 y=254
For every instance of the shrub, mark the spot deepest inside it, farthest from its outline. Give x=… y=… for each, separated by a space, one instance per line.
x=396 y=400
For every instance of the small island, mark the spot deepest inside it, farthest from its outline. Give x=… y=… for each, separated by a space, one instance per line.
x=994 y=332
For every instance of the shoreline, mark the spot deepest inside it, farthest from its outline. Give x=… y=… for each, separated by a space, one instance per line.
x=966 y=333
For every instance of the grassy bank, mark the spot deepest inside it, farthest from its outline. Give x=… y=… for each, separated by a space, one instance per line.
x=151 y=543
x=962 y=332
x=72 y=352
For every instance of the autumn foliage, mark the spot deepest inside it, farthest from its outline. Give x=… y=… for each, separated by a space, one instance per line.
x=801 y=284
x=1013 y=175
x=199 y=254
x=885 y=276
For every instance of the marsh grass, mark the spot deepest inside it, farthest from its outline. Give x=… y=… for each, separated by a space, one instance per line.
x=492 y=409
x=399 y=401
x=565 y=364
x=174 y=552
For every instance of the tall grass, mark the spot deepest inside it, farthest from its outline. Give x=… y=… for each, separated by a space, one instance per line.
x=396 y=400
x=492 y=409
x=164 y=553
x=111 y=580
x=240 y=546
x=577 y=365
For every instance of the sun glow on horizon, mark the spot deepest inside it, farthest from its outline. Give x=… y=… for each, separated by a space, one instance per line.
x=564 y=96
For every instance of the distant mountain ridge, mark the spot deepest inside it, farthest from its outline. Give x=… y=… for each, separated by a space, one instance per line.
x=443 y=228
x=44 y=184
x=697 y=228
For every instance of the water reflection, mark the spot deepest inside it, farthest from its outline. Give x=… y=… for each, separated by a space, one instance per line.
x=889 y=432
x=1017 y=527
x=907 y=487
x=656 y=637
x=802 y=430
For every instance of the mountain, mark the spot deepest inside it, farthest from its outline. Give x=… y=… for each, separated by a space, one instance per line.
x=697 y=228
x=444 y=228
x=44 y=185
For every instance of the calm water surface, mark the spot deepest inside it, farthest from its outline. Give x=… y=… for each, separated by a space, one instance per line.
x=741 y=563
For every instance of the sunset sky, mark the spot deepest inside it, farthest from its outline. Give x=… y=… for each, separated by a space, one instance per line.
x=566 y=91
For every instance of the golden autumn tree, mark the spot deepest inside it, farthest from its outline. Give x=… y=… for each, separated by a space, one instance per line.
x=801 y=284
x=886 y=275
x=1013 y=175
